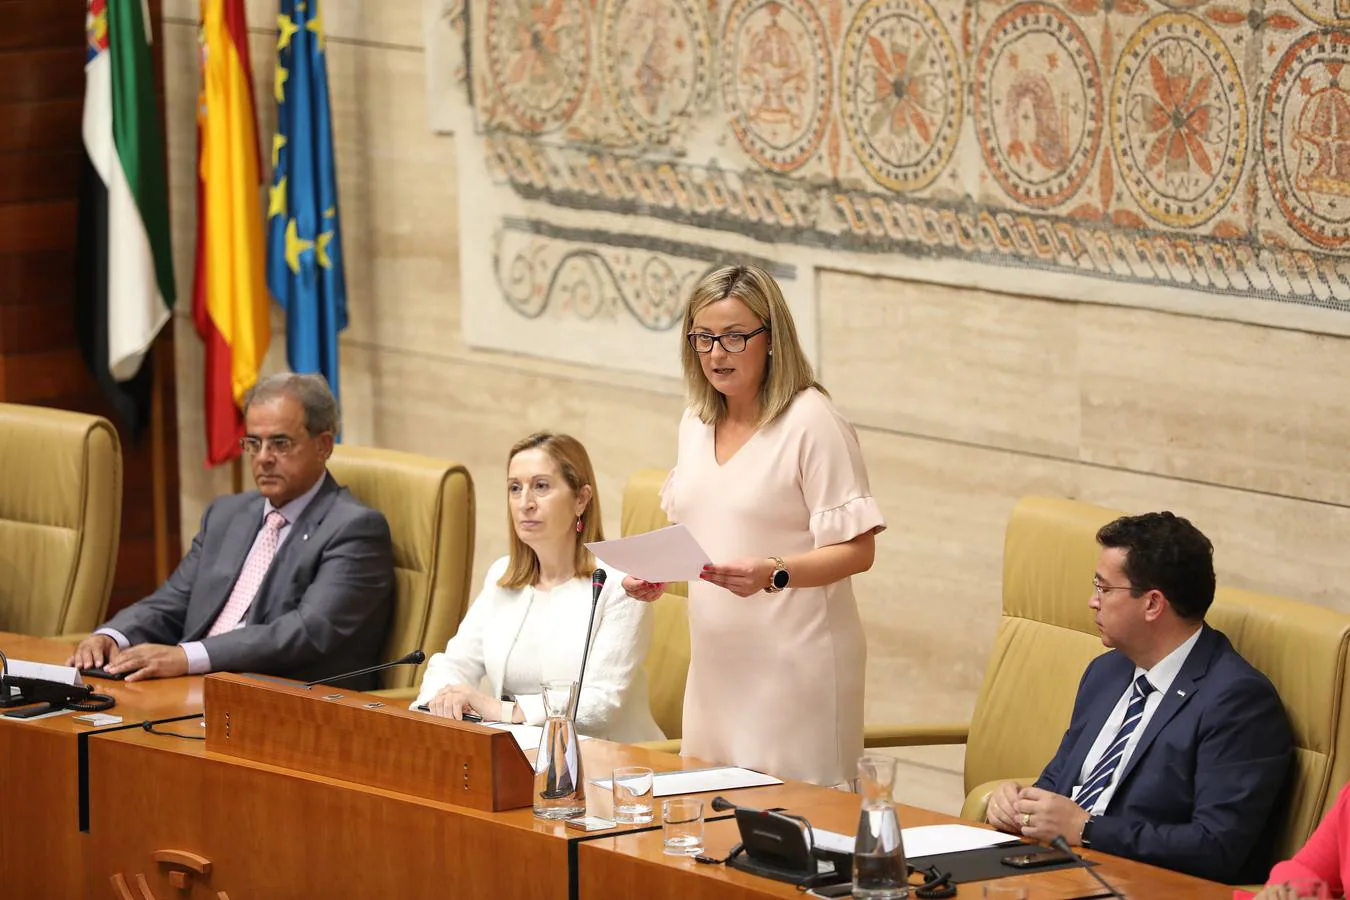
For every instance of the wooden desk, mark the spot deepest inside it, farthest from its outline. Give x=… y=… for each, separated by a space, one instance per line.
x=275 y=832
x=40 y=775
x=634 y=865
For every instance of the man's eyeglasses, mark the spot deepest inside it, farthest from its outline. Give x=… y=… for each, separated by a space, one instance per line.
x=1098 y=588
x=279 y=444
x=732 y=342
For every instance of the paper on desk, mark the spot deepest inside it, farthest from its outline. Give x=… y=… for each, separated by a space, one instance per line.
x=527 y=736
x=698 y=781
x=667 y=554
x=924 y=840
x=47 y=672
x=929 y=840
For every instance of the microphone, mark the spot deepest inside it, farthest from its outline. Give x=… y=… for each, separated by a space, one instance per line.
x=1060 y=844
x=412 y=659
x=597 y=585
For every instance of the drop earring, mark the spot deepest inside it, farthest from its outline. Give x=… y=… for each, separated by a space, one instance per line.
x=579 y=525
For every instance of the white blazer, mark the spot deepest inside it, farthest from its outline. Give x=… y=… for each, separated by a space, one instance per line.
x=614 y=703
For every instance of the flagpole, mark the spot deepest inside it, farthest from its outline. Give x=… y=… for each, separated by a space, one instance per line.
x=237 y=475
x=160 y=364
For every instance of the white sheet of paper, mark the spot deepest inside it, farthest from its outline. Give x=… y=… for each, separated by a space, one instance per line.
x=698 y=781
x=45 y=671
x=527 y=736
x=39 y=718
x=928 y=840
x=924 y=840
x=832 y=841
x=667 y=554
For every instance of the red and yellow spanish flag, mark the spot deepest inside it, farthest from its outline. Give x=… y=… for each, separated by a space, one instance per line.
x=229 y=298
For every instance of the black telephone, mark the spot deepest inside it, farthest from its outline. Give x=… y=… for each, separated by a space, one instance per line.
x=775 y=844
x=20 y=690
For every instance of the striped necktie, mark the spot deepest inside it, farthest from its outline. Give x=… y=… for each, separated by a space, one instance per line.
x=1102 y=773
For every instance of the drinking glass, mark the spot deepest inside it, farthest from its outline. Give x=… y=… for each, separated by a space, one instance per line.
x=682 y=824
x=633 y=794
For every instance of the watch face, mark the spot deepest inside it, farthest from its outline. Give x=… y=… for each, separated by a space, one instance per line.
x=780 y=578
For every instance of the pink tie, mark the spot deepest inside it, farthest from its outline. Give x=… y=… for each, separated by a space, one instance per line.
x=255 y=569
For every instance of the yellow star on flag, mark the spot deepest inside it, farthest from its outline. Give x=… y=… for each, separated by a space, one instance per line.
x=278 y=141
x=295 y=245
x=279 y=89
x=276 y=199
x=315 y=24
x=286 y=29
x=325 y=238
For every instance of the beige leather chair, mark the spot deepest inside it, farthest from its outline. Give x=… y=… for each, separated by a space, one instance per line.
x=60 y=519
x=429 y=504
x=667 y=665
x=1047 y=637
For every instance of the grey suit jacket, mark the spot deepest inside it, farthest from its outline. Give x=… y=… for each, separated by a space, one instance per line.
x=323 y=608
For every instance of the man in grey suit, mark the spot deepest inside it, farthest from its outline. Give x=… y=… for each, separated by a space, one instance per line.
x=294 y=579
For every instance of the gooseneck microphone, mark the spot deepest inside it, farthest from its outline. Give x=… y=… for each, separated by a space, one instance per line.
x=412 y=659
x=597 y=585
x=1060 y=844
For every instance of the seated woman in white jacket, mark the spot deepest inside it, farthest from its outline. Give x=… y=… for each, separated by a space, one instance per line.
x=529 y=623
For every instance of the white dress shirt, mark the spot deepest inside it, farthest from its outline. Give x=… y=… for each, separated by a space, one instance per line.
x=1161 y=677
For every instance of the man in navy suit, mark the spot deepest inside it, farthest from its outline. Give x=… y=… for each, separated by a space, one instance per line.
x=1178 y=750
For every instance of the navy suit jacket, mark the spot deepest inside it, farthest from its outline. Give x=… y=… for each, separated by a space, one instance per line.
x=1200 y=791
x=323 y=608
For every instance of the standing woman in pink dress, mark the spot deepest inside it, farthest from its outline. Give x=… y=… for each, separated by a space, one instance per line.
x=770 y=480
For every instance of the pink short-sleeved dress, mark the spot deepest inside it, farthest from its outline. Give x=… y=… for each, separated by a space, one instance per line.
x=776 y=681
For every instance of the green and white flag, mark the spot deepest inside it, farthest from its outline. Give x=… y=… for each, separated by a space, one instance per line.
x=125 y=275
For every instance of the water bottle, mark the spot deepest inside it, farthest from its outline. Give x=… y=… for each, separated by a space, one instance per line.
x=559 y=786
x=879 y=869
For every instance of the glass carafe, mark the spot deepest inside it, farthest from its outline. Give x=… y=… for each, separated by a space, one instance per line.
x=879 y=869
x=559 y=786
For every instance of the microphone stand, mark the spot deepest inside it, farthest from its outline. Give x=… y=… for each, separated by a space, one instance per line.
x=412 y=659
x=597 y=586
x=1062 y=845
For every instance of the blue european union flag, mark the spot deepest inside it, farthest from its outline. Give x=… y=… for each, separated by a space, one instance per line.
x=304 y=240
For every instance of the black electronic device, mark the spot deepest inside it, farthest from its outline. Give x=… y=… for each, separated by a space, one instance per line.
x=1036 y=858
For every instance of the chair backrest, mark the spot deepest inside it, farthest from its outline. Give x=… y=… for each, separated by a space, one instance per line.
x=60 y=519
x=429 y=504
x=667 y=665
x=1047 y=637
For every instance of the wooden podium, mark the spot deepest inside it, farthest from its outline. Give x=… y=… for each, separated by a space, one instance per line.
x=356 y=737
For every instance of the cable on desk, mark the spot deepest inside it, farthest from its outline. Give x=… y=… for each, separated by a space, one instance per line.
x=151 y=729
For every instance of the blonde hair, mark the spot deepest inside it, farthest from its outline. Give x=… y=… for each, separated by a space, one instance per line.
x=787 y=370
x=522 y=570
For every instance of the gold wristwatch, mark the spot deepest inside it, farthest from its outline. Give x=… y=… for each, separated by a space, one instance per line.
x=780 y=577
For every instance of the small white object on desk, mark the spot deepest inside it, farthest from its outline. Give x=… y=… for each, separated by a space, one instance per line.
x=98 y=719
x=924 y=840
x=667 y=554
x=698 y=781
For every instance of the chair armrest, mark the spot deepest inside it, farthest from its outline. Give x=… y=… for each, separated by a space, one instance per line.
x=977 y=801
x=671 y=746
x=926 y=735
x=406 y=694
